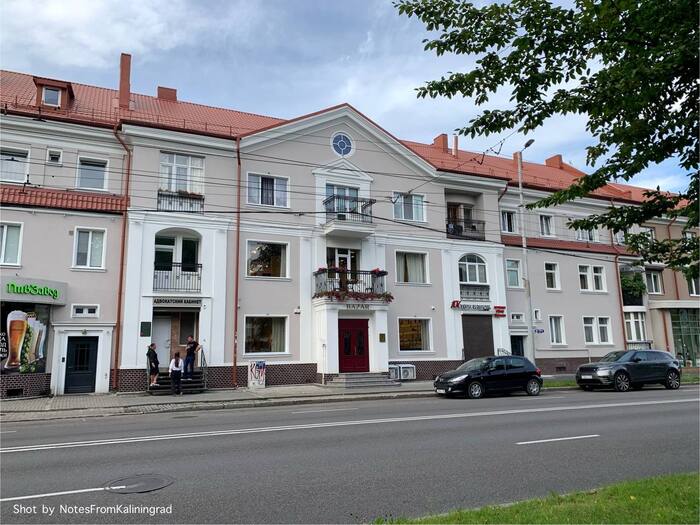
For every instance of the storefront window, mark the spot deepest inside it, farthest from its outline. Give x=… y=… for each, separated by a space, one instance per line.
x=685 y=324
x=24 y=332
x=414 y=335
x=266 y=259
x=265 y=334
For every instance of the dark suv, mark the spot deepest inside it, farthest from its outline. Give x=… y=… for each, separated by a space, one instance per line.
x=484 y=375
x=627 y=369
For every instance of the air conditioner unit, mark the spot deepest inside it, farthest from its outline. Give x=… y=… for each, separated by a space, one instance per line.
x=394 y=372
x=408 y=372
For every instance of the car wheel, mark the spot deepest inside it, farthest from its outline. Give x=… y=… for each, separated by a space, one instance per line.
x=637 y=386
x=622 y=382
x=533 y=387
x=475 y=390
x=587 y=388
x=673 y=380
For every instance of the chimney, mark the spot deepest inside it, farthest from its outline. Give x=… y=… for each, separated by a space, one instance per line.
x=555 y=162
x=166 y=93
x=124 y=80
x=455 y=145
x=440 y=142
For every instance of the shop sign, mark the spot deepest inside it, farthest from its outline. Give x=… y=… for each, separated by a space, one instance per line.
x=22 y=290
x=470 y=307
x=175 y=302
x=3 y=345
x=356 y=306
x=22 y=346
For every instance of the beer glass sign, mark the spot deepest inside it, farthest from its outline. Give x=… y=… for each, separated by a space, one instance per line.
x=26 y=340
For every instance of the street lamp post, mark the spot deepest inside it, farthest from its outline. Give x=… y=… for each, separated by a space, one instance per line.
x=521 y=217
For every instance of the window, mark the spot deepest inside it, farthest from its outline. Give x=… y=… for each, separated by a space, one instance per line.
x=587 y=235
x=472 y=270
x=551 y=275
x=515 y=363
x=513 y=273
x=268 y=191
x=592 y=278
x=619 y=237
x=265 y=335
x=508 y=221
x=10 y=241
x=517 y=318
x=648 y=231
x=92 y=174
x=181 y=172
x=54 y=156
x=537 y=315
x=408 y=207
x=556 y=330
x=89 y=248
x=51 y=96
x=654 y=282
x=411 y=267
x=13 y=165
x=86 y=310
x=596 y=330
x=414 y=335
x=635 y=326
x=690 y=235
x=546 y=226
x=266 y=259
x=694 y=286
x=342 y=144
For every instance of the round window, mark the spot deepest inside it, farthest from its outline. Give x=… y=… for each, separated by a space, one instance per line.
x=342 y=144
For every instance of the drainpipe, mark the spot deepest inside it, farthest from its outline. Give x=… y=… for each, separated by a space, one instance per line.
x=238 y=262
x=619 y=297
x=122 y=245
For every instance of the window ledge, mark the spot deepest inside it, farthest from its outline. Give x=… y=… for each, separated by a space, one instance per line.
x=266 y=278
x=254 y=354
x=10 y=265
x=561 y=345
x=410 y=221
x=99 y=190
x=599 y=344
x=594 y=292
x=521 y=288
x=555 y=290
x=267 y=206
x=420 y=352
x=82 y=269
x=413 y=284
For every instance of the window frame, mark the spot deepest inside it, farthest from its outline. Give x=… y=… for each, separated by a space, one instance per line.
x=44 y=89
x=286 y=334
x=75 y=315
x=633 y=318
x=486 y=269
x=514 y=221
x=274 y=191
x=11 y=150
x=590 y=278
x=105 y=184
x=561 y=329
x=596 y=330
x=4 y=225
x=48 y=156
x=287 y=261
x=352 y=144
x=693 y=287
x=550 y=218
x=537 y=315
x=521 y=320
x=192 y=185
x=649 y=231
x=521 y=284
x=557 y=277
x=402 y=195
x=593 y=237
x=426 y=268
x=431 y=348
x=90 y=229
x=649 y=277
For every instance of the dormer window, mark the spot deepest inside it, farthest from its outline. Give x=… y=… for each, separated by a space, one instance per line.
x=51 y=96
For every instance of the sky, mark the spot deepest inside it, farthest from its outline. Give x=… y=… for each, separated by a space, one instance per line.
x=282 y=58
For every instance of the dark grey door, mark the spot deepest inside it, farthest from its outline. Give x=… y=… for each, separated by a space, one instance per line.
x=517 y=345
x=641 y=369
x=477 y=335
x=81 y=365
x=495 y=376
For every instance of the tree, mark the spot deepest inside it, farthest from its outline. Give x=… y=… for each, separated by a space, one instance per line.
x=630 y=66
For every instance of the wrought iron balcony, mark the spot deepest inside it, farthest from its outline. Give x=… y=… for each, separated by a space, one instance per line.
x=180 y=201
x=474 y=292
x=351 y=285
x=351 y=209
x=466 y=229
x=177 y=277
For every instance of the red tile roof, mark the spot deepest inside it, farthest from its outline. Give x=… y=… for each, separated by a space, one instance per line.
x=16 y=195
x=557 y=244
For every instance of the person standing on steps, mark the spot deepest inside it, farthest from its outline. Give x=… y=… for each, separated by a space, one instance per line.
x=175 y=371
x=190 y=356
x=153 y=364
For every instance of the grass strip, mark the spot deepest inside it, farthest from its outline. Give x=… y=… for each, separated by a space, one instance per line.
x=686 y=379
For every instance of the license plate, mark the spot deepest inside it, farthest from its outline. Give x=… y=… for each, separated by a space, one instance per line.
x=440 y=390
x=586 y=377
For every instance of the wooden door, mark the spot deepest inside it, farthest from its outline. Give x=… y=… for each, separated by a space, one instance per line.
x=353 y=345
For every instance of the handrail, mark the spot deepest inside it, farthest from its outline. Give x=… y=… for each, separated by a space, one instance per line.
x=203 y=365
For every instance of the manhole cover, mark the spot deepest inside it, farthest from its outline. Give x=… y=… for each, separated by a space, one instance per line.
x=138 y=484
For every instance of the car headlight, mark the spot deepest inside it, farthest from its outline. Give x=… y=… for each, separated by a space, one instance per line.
x=457 y=379
x=603 y=372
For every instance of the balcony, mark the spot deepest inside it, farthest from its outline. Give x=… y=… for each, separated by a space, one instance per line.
x=474 y=292
x=465 y=229
x=177 y=277
x=629 y=299
x=351 y=285
x=348 y=216
x=180 y=201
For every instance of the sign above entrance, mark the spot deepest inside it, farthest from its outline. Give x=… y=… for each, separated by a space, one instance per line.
x=40 y=291
x=471 y=307
x=177 y=302
x=357 y=306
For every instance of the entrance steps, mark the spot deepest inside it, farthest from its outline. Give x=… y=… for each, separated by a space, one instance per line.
x=188 y=387
x=362 y=380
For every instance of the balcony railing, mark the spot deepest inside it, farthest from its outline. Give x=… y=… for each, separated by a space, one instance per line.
x=639 y=345
x=177 y=277
x=347 y=285
x=474 y=292
x=180 y=201
x=351 y=209
x=466 y=229
x=632 y=300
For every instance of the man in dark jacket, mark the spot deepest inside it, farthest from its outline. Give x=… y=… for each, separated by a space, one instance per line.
x=191 y=353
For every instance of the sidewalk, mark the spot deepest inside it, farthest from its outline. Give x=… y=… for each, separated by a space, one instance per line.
x=97 y=405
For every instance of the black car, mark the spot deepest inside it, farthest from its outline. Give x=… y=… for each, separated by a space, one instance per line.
x=484 y=375
x=627 y=369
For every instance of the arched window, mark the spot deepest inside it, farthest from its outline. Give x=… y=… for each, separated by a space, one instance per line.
x=472 y=269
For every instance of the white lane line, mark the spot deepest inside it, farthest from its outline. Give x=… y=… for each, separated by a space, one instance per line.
x=543 y=397
x=65 y=492
x=258 y=430
x=7 y=431
x=557 y=439
x=327 y=410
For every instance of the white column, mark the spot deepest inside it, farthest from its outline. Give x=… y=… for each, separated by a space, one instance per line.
x=131 y=313
x=213 y=284
x=378 y=351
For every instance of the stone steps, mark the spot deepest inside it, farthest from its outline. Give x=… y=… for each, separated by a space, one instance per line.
x=362 y=380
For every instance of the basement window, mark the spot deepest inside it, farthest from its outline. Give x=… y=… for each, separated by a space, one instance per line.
x=51 y=96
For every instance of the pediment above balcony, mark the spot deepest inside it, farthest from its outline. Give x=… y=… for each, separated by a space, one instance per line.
x=342 y=170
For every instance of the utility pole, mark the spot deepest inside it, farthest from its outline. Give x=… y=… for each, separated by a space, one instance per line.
x=521 y=217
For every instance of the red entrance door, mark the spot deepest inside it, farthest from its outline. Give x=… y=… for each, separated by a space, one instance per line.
x=352 y=345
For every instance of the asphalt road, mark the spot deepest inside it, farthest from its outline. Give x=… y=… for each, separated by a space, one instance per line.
x=345 y=462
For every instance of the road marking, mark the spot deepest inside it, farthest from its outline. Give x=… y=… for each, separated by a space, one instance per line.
x=65 y=492
x=557 y=439
x=258 y=430
x=7 y=431
x=327 y=410
x=543 y=397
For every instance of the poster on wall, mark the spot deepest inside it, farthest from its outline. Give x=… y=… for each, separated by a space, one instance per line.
x=24 y=339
